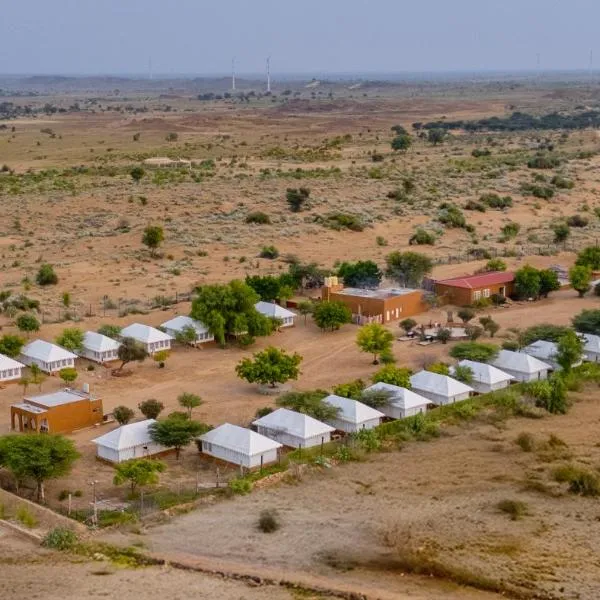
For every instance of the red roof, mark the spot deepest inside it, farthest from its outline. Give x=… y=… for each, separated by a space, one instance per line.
x=479 y=281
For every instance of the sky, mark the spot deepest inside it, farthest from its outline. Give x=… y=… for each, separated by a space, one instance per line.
x=302 y=36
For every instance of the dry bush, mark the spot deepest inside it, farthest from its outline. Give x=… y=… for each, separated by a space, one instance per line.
x=526 y=442
x=515 y=509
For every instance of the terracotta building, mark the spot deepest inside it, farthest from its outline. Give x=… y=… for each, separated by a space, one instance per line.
x=462 y=291
x=59 y=412
x=381 y=305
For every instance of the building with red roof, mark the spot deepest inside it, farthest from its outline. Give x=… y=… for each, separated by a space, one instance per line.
x=466 y=290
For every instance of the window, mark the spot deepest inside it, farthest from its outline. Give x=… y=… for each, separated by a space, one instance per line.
x=486 y=293
x=477 y=295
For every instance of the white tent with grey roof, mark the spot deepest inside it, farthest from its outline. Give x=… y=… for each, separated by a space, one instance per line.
x=10 y=369
x=402 y=402
x=591 y=347
x=440 y=389
x=274 y=311
x=99 y=348
x=353 y=416
x=486 y=378
x=523 y=367
x=49 y=357
x=153 y=340
x=293 y=429
x=178 y=324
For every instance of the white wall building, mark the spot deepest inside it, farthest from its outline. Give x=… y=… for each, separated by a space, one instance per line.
x=591 y=348
x=293 y=429
x=486 y=378
x=271 y=310
x=126 y=442
x=99 y=348
x=50 y=358
x=521 y=366
x=402 y=403
x=10 y=369
x=440 y=389
x=154 y=340
x=546 y=352
x=181 y=322
x=240 y=446
x=353 y=416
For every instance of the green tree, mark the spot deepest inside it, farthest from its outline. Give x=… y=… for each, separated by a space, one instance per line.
x=297 y=198
x=561 y=232
x=466 y=314
x=38 y=458
x=548 y=282
x=46 y=275
x=151 y=408
x=473 y=332
x=153 y=237
x=37 y=377
x=398 y=130
x=123 y=414
x=138 y=472
x=189 y=401
x=580 y=277
x=443 y=335
x=375 y=398
x=393 y=375
x=176 y=432
x=228 y=310
x=331 y=315
x=474 y=351
x=589 y=257
x=160 y=357
x=68 y=374
x=569 y=350
x=401 y=143
x=436 y=136
x=71 y=339
x=495 y=264
x=374 y=339
x=463 y=373
x=187 y=335
x=408 y=268
x=25 y=382
x=309 y=403
x=267 y=287
x=490 y=325
x=27 y=323
x=305 y=308
x=352 y=389
x=131 y=350
x=587 y=321
x=111 y=331
x=527 y=282
x=137 y=173
x=11 y=345
x=271 y=366
x=361 y=274
x=408 y=325
x=440 y=368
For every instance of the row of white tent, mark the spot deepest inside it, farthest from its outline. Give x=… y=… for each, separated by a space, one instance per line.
x=99 y=348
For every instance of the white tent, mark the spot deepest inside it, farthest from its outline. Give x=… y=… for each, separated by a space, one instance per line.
x=440 y=389
x=293 y=429
x=126 y=442
x=402 y=403
x=239 y=446
x=521 y=366
x=178 y=324
x=547 y=352
x=151 y=338
x=486 y=378
x=591 y=348
x=352 y=415
x=271 y=310
x=99 y=348
x=10 y=369
x=50 y=358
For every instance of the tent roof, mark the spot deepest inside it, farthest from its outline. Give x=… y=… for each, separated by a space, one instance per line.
x=352 y=411
x=542 y=349
x=269 y=309
x=6 y=362
x=592 y=342
x=484 y=373
x=46 y=352
x=294 y=423
x=180 y=322
x=240 y=439
x=438 y=384
x=399 y=397
x=96 y=342
x=126 y=436
x=519 y=362
x=144 y=333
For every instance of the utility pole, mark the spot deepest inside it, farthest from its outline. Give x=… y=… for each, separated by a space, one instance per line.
x=95 y=504
x=233 y=73
x=268 y=75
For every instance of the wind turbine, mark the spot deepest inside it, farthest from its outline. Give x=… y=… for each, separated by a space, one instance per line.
x=268 y=75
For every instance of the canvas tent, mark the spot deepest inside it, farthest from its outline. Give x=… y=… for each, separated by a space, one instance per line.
x=10 y=369
x=547 y=352
x=99 y=348
x=521 y=366
x=440 y=389
x=486 y=378
x=353 y=416
x=293 y=429
x=402 y=402
x=591 y=348
x=178 y=324
x=153 y=340
x=50 y=358
x=274 y=311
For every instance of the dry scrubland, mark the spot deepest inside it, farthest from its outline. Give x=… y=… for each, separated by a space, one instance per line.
x=79 y=209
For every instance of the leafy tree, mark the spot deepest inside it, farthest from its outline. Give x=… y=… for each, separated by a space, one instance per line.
x=408 y=325
x=393 y=375
x=297 y=198
x=374 y=339
x=542 y=331
x=587 y=321
x=137 y=173
x=37 y=377
x=580 y=277
x=131 y=350
x=361 y=274
x=11 y=345
x=111 y=331
x=557 y=402
x=68 y=374
x=466 y=314
x=444 y=334
x=527 y=282
x=408 y=268
x=331 y=315
x=309 y=403
x=46 y=275
x=436 y=136
x=228 y=310
x=71 y=339
x=176 y=432
x=401 y=143
x=37 y=457
x=153 y=237
x=186 y=335
x=271 y=366
x=495 y=264
x=267 y=287
x=151 y=408
x=305 y=308
x=160 y=357
x=561 y=232
x=375 y=398
x=463 y=373
x=399 y=130
x=473 y=332
x=352 y=389
x=589 y=257
x=490 y=325
x=548 y=282
x=123 y=414
x=189 y=401
x=27 y=323
x=569 y=350
x=474 y=351
x=440 y=368
x=138 y=472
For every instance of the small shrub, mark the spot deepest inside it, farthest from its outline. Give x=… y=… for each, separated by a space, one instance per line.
x=422 y=237
x=496 y=201
x=268 y=521
x=479 y=152
x=25 y=517
x=60 y=538
x=562 y=182
x=526 y=442
x=474 y=205
x=46 y=275
x=515 y=509
x=543 y=161
x=339 y=221
x=240 y=486
x=269 y=252
x=260 y=218
x=510 y=230
x=381 y=241
x=577 y=221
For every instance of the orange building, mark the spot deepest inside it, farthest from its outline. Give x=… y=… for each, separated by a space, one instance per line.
x=58 y=412
x=462 y=291
x=380 y=305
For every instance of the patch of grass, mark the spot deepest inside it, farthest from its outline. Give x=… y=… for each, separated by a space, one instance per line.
x=268 y=521
x=24 y=516
x=525 y=441
x=581 y=481
x=515 y=509
x=60 y=538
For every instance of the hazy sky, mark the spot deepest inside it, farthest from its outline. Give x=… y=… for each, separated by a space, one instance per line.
x=303 y=36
